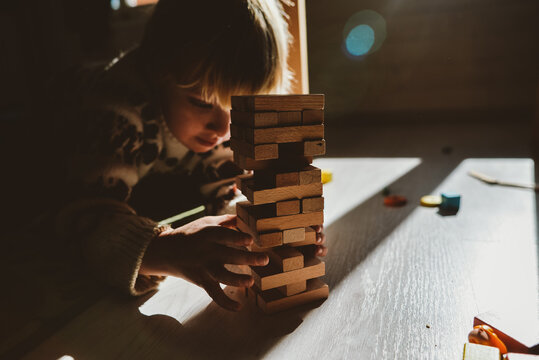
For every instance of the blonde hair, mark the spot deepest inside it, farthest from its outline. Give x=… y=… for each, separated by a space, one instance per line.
x=221 y=47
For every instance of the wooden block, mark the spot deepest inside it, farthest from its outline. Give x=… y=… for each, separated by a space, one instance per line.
x=312 y=117
x=293 y=289
x=288 y=207
x=287 y=179
x=278 y=102
x=314 y=148
x=241 y=179
x=242 y=212
x=270 y=276
x=250 y=213
x=308 y=239
x=287 y=222
x=480 y=352
x=271 y=179
x=310 y=175
x=305 y=148
x=287 y=134
x=236 y=132
x=273 y=301
x=264 y=196
x=286 y=176
x=292 y=236
x=263 y=218
x=264 y=240
x=289 y=118
x=515 y=356
x=254 y=119
x=256 y=152
x=286 y=258
x=518 y=330
x=248 y=163
x=309 y=205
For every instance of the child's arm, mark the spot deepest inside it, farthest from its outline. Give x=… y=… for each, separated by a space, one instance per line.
x=109 y=150
x=198 y=253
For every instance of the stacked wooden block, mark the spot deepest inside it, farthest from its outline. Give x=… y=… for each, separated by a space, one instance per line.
x=277 y=136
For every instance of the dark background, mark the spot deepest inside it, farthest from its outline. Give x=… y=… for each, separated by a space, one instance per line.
x=442 y=61
x=438 y=55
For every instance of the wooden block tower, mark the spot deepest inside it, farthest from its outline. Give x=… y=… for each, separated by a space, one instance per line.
x=277 y=136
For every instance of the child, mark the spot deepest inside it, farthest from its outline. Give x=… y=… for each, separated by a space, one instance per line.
x=151 y=128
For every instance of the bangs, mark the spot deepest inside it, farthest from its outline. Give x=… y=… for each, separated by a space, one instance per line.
x=248 y=57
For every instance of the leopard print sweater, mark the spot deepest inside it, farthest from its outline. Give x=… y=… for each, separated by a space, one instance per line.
x=124 y=171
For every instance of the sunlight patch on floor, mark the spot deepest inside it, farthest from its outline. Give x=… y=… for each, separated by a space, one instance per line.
x=376 y=174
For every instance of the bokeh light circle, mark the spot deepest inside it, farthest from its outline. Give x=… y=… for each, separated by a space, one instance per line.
x=363 y=34
x=360 y=40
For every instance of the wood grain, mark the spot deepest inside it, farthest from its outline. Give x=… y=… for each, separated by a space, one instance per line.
x=247 y=211
x=293 y=289
x=293 y=236
x=308 y=238
x=264 y=240
x=288 y=222
x=289 y=118
x=297 y=56
x=288 y=207
x=305 y=148
x=286 y=258
x=254 y=119
x=279 y=135
x=270 y=276
x=309 y=205
x=256 y=152
x=287 y=176
x=265 y=196
x=278 y=102
x=310 y=175
x=248 y=163
x=312 y=117
x=400 y=269
x=272 y=301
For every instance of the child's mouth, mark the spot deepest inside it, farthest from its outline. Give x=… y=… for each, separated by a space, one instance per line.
x=206 y=142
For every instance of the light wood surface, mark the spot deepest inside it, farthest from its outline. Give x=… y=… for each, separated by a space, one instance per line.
x=405 y=282
x=271 y=276
x=293 y=102
x=293 y=289
x=279 y=135
x=297 y=57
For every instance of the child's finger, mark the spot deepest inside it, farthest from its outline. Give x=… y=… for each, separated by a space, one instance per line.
x=320 y=238
x=318 y=228
x=228 y=222
x=315 y=250
x=218 y=295
x=240 y=257
x=229 y=237
x=229 y=278
x=321 y=250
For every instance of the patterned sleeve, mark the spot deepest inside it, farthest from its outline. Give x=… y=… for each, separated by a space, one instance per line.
x=106 y=161
x=217 y=171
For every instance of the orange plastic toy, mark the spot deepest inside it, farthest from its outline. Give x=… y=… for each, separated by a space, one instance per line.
x=484 y=335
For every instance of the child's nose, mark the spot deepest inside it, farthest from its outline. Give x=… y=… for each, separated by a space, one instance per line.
x=220 y=122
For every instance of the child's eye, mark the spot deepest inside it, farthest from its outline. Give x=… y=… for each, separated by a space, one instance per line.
x=200 y=103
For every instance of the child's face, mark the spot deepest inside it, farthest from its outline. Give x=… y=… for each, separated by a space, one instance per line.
x=195 y=123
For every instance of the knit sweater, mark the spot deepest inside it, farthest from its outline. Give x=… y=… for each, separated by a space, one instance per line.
x=115 y=142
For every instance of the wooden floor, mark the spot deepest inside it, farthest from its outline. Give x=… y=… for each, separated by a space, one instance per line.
x=405 y=283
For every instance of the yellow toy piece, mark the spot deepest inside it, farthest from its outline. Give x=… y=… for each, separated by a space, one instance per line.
x=431 y=200
x=327 y=176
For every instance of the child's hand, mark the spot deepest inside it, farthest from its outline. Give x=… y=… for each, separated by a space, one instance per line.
x=320 y=249
x=198 y=252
